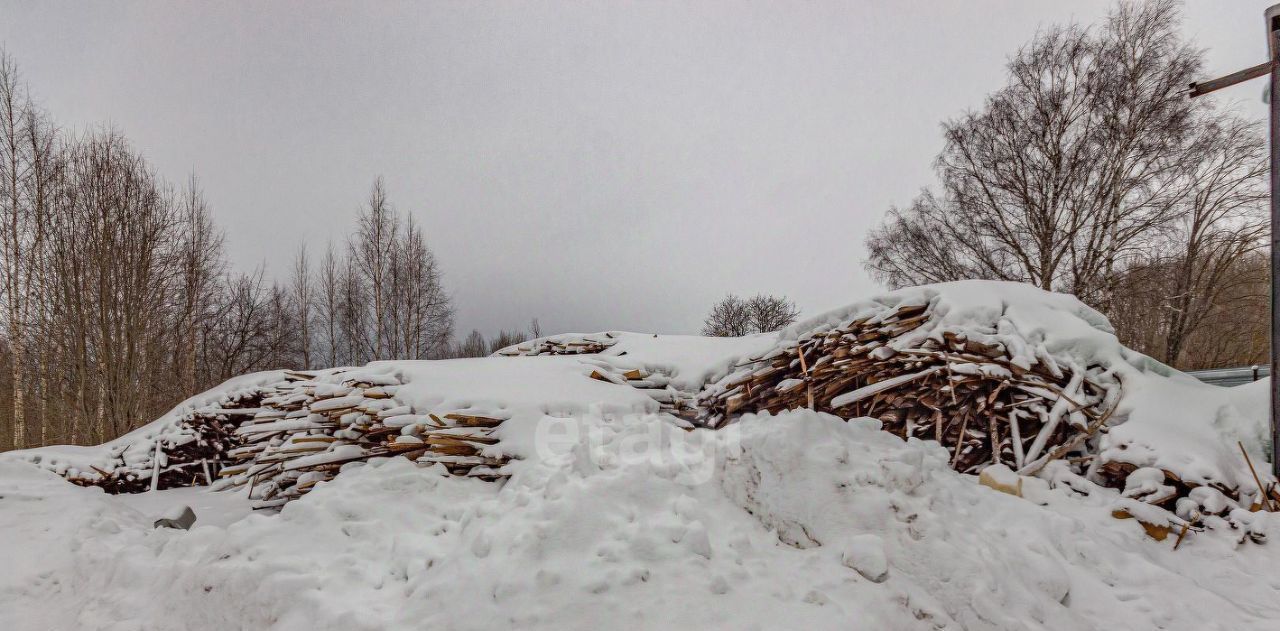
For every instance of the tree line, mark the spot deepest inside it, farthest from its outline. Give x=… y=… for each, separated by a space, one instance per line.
x=117 y=299
x=1091 y=172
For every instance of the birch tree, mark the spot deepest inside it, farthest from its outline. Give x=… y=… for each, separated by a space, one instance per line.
x=301 y=288
x=200 y=258
x=330 y=299
x=27 y=168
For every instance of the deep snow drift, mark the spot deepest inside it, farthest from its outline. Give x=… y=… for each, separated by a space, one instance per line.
x=797 y=521
x=613 y=513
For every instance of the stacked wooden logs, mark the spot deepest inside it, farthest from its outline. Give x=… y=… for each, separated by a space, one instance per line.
x=569 y=344
x=307 y=432
x=946 y=385
x=188 y=454
x=654 y=383
x=281 y=439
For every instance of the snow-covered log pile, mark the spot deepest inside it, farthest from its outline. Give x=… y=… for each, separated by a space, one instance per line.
x=281 y=438
x=671 y=369
x=182 y=448
x=568 y=344
x=989 y=398
x=1006 y=375
x=608 y=502
x=191 y=454
x=316 y=424
x=656 y=385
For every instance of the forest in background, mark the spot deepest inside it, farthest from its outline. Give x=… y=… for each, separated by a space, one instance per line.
x=1090 y=172
x=117 y=299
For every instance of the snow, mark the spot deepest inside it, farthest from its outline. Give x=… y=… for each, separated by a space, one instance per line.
x=138 y=446
x=865 y=553
x=689 y=360
x=1164 y=419
x=613 y=515
x=1191 y=428
x=799 y=520
x=523 y=390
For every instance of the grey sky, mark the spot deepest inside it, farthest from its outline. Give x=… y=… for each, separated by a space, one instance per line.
x=594 y=164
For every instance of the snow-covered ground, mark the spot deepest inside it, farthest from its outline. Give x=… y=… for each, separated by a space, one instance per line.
x=615 y=516
x=795 y=521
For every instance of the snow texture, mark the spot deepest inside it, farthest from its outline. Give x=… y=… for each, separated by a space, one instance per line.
x=800 y=520
x=614 y=516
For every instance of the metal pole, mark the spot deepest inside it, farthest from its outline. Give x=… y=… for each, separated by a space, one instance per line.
x=1273 y=50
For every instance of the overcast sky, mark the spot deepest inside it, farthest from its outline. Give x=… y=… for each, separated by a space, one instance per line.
x=597 y=165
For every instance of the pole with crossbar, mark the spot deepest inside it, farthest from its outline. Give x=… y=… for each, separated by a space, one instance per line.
x=1273 y=49
x=1270 y=67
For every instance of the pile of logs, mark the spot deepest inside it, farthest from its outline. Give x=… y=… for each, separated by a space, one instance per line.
x=654 y=383
x=968 y=394
x=281 y=439
x=309 y=429
x=986 y=394
x=189 y=454
x=989 y=400
x=561 y=345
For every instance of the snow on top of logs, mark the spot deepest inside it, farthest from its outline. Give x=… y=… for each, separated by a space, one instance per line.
x=983 y=309
x=1162 y=418
x=337 y=403
x=949 y=336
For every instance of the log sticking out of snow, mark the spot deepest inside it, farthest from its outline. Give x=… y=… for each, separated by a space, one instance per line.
x=849 y=398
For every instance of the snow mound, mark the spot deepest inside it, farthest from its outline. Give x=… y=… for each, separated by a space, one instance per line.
x=689 y=361
x=1155 y=418
x=1159 y=418
x=612 y=508
x=136 y=448
x=788 y=521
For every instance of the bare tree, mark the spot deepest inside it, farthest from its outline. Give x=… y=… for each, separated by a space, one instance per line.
x=770 y=313
x=353 y=314
x=330 y=299
x=26 y=167
x=279 y=332
x=1065 y=173
x=301 y=290
x=1091 y=172
x=117 y=301
x=505 y=339
x=117 y=236
x=372 y=253
x=731 y=317
x=1238 y=332
x=1220 y=224
x=394 y=301
x=473 y=346
x=1231 y=326
x=734 y=316
x=200 y=258
x=422 y=324
x=236 y=344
